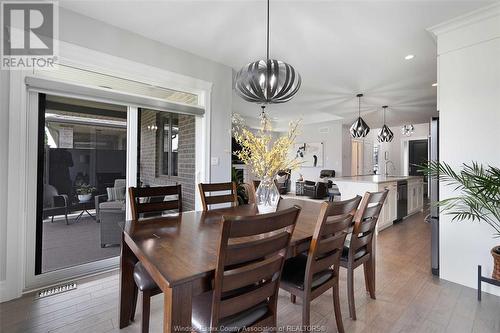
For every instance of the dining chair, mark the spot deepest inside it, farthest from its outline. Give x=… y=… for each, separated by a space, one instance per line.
x=360 y=250
x=250 y=191
x=149 y=200
x=309 y=276
x=213 y=188
x=250 y=259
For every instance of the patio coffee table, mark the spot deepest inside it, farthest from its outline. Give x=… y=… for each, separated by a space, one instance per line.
x=84 y=207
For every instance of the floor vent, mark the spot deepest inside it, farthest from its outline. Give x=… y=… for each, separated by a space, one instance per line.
x=56 y=290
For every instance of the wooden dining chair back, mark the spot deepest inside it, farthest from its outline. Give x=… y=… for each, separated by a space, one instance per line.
x=329 y=237
x=349 y=206
x=365 y=222
x=310 y=276
x=207 y=200
x=145 y=200
x=250 y=260
x=360 y=250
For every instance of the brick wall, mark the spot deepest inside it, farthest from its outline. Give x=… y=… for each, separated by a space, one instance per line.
x=149 y=156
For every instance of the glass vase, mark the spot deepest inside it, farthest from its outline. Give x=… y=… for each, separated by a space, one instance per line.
x=267 y=196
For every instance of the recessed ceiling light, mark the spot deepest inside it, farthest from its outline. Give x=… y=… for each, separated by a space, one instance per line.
x=435 y=84
x=409 y=57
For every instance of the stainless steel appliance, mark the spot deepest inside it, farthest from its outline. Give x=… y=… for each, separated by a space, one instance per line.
x=402 y=202
x=434 y=195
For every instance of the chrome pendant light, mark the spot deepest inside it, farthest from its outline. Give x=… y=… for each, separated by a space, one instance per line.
x=385 y=134
x=359 y=129
x=407 y=130
x=267 y=81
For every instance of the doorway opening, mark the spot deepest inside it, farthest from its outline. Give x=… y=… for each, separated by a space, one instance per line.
x=81 y=185
x=417 y=156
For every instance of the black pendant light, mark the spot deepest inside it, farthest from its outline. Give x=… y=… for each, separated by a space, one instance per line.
x=359 y=129
x=267 y=81
x=385 y=134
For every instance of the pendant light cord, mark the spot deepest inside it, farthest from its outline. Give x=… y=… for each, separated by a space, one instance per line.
x=267 y=57
x=359 y=106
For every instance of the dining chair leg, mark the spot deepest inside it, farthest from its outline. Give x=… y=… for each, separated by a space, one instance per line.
x=293 y=298
x=146 y=302
x=370 y=278
x=134 y=304
x=350 y=292
x=373 y=268
x=367 y=277
x=336 y=307
x=306 y=312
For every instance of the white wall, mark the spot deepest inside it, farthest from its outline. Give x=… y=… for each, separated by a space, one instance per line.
x=346 y=150
x=332 y=149
x=394 y=149
x=469 y=102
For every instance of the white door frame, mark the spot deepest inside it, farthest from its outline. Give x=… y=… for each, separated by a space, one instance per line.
x=21 y=211
x=405 y=158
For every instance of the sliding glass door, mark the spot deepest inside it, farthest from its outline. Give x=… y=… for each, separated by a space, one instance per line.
x=86 y=145
x=81 y=186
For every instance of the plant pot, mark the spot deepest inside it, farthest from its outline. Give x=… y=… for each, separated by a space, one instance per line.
x=267 y=196
x=84 y=197
x=495 y=252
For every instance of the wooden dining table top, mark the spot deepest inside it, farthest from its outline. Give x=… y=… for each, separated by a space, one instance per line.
x=183 y=247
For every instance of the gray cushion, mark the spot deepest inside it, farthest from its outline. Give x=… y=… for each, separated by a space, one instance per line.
x=120 y=183
x=116 y=193
x=120 y=193
x=114 y=205
x=202 y=308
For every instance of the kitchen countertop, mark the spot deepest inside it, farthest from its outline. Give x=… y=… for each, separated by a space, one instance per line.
x=376 y=179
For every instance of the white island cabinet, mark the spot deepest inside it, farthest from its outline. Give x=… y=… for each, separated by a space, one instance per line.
x=349 y=187
x=415 y=195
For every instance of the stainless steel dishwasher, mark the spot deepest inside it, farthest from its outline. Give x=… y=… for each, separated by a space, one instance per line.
x=402 y=200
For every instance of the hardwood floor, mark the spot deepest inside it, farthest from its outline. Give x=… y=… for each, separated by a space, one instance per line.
x=409 y=299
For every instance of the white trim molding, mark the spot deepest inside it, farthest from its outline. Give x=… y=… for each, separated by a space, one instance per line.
x=466 y=30
x=12 y=286
x=467 y=19
x=85 y=91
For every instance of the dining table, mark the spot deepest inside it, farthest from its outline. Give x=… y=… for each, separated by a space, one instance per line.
x=180 y=250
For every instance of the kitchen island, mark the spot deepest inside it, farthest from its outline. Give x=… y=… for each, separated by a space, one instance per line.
x=413 y=193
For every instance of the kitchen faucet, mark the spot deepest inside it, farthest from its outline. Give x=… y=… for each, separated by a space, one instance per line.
x=386 y=163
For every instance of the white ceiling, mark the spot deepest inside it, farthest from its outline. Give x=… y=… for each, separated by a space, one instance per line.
x=339 y=48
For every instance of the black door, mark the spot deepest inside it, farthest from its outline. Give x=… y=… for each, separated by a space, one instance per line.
x=417 y=156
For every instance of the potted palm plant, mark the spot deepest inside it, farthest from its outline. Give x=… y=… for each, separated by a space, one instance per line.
x=478 y=198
